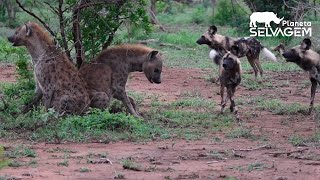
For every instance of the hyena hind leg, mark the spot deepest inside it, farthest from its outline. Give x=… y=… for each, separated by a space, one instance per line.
x=99 y=100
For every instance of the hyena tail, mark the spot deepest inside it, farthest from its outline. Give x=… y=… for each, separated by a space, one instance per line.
x=215 y=56
x=269 y=54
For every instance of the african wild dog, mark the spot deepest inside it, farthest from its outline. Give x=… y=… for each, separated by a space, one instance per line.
x=249 y=47
x=57 y=79
x=109 y=71
x=308 y=60
x=280 y=49
x=230 y=77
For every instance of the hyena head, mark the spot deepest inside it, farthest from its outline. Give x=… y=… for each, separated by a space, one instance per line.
x=297 y=53
x=210 y=37
x=152 y=67
x=22 y=36
x=30 y=34
x=230 y=60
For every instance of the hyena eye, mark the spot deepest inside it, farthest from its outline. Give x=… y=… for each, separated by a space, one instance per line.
x=156 y=71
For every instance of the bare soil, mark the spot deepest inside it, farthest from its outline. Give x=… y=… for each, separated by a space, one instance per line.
x=201 y=159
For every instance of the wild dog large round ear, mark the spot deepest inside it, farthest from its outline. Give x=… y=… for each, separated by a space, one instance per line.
x=213 y=29
x=234 y=50
x=28 y=30
x=306 y=44
x=151 y=56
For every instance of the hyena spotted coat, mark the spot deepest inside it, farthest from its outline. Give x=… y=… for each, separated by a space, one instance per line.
x=230 y=78
x=309 y=61
x=108 y=73
x=58 y=81
x=249 y=47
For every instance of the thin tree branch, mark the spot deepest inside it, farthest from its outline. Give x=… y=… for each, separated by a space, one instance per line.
x=51 y=7
x=62 y=29
x=35 y=16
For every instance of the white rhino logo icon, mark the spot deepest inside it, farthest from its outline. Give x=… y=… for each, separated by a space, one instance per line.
x=264 y=17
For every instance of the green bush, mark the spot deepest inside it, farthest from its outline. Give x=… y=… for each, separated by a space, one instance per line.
x=199 y=15
x=230 y=13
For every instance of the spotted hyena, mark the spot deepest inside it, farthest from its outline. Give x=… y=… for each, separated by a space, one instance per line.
x=57 y=80
x=249 y=47
x=230 y=78
x=309 y=61
x=108 y=73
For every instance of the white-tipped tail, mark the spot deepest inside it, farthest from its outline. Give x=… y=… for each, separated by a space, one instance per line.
x=269 y=54
x=212 y=54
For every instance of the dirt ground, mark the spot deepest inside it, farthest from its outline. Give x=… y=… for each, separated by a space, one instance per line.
x=202 y=159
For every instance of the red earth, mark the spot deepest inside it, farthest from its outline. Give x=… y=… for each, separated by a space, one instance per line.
x=244 y=159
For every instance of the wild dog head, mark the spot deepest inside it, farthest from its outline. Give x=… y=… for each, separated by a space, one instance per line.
x=296 y=54
x=152 y=67
x=210 y=38
x=230 y=61
x=280 y=48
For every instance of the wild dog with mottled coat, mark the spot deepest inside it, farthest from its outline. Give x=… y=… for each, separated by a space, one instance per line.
x=230 y=78
x=249 y=47
x=308 y=60
x=57 y=79
x=280 y=49
x=109 y=71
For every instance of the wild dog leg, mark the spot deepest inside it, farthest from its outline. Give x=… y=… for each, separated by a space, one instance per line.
x=257 y=62
x=223 y=101
x=253 y=65
x=313 y=93
x=231 y=91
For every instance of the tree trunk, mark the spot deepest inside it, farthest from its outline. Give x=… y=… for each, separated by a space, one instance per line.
x=10 y=6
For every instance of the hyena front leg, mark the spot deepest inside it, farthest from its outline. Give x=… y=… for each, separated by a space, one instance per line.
x=122 y=96
x=35 y=100
x=313 y=93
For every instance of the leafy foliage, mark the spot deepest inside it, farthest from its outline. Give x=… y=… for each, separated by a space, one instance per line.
x=229 y=13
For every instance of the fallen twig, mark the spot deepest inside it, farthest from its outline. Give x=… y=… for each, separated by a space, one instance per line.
x=237 y=155
x=275 y=154
x=252 y=149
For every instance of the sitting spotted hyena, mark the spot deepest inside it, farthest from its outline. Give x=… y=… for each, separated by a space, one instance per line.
x=106 y=76
x=57 y=80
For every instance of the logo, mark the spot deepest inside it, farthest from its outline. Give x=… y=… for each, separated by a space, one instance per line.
x=284 y=28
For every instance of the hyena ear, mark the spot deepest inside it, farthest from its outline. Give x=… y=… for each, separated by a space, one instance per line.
x=28 y=30
x=306 y=44
x=212 y=30
x=234 y=50
x=151 y=56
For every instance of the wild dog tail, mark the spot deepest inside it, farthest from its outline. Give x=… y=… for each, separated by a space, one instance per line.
x=269 y=54
x=215 y=56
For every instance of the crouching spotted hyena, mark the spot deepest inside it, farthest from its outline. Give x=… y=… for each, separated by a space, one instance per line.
x=230 y=78
x=107 y=74
x=57 y=79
